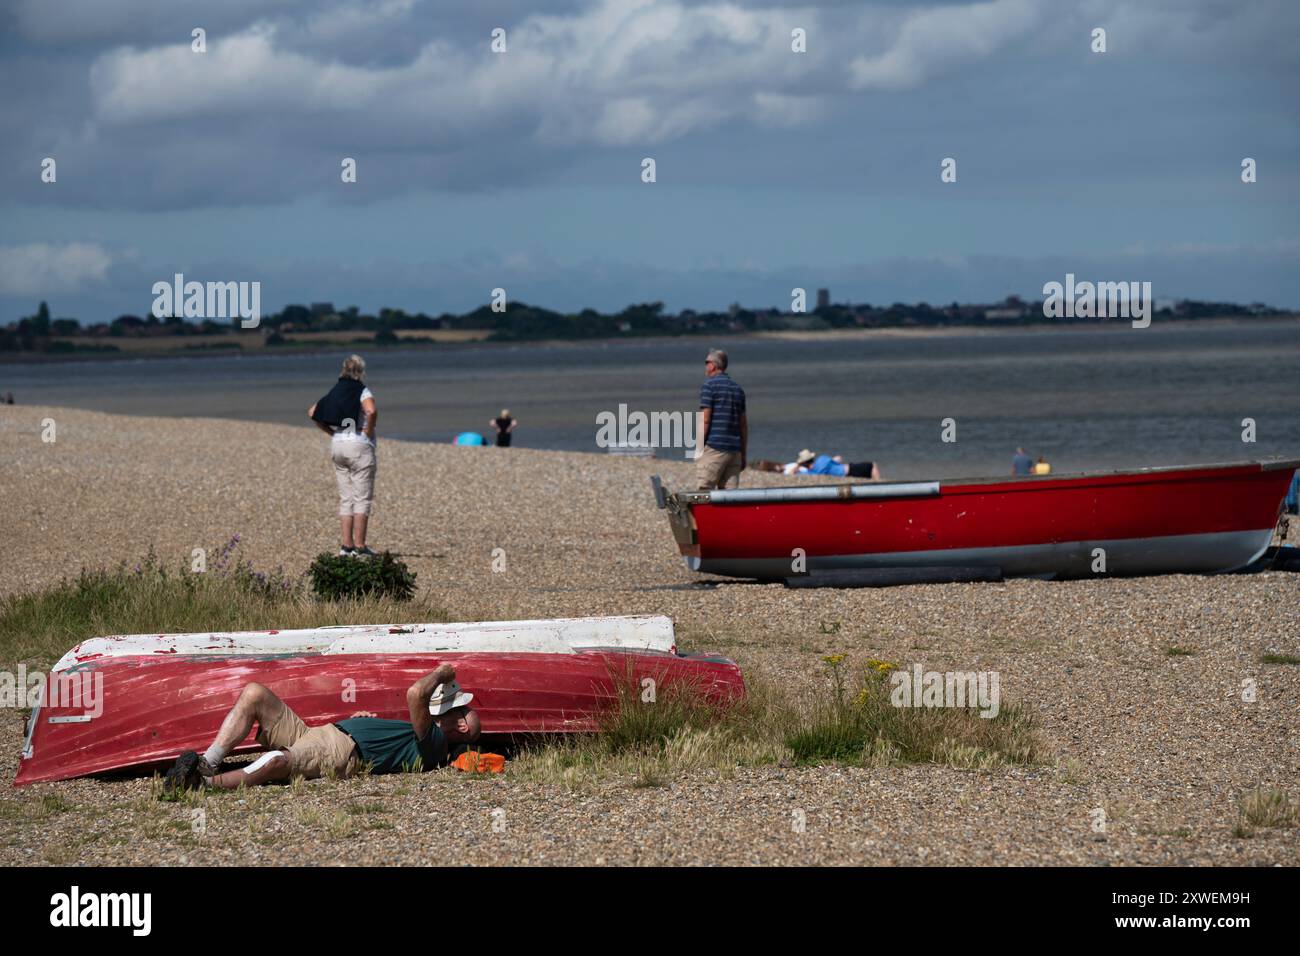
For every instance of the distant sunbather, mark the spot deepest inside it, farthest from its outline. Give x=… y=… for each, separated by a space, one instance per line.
x=809 y=463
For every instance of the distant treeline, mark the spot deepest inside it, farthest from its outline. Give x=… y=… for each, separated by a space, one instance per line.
x=517 y=321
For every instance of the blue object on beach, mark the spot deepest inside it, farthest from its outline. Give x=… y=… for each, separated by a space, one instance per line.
x=1293 y=496
x=469 y=438
x=826 y=465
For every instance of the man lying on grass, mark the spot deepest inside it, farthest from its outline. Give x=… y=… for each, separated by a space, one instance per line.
x=439 y=717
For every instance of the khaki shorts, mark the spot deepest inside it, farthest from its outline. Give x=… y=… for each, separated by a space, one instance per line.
x=354 y=469
x=714 y=469
x=312 y=751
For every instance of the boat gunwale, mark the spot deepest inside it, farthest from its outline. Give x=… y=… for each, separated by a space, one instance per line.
x=951 y=485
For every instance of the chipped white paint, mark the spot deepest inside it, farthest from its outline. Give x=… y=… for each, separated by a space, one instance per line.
x=559 y=636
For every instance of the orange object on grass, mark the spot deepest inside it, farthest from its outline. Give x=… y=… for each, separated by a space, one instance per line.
x=487 y=763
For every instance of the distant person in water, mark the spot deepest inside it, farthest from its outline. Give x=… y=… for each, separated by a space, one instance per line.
x=348 y=415
x=724 y=427
x=1041 y=467
x=1021 y=463
x=810 y=463
x=439 y=715
x=504 y=425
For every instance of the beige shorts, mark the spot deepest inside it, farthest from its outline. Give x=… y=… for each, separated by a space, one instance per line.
x=354 y=469
x=714 y=469
x=313 y=751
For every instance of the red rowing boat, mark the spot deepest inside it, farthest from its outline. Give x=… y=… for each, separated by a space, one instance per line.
x=139 y=708
x=1194 y=519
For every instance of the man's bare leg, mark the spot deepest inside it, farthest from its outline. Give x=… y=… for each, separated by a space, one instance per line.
x=256 y=704
x=268 y=768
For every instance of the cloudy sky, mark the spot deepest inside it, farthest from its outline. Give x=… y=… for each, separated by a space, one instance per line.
x=522 y=169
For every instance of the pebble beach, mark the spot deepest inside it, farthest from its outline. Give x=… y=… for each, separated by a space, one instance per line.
x=1164 y=744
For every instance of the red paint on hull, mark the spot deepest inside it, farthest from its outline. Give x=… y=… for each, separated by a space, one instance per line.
x=1005 y=514
x=155 y=708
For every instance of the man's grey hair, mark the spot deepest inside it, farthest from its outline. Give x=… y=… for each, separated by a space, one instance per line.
x=718 y=358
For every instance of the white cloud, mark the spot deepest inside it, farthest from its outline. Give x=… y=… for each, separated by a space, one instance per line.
x=41 y=268
x=617 y=73
x=243 y=73
x=936 y=39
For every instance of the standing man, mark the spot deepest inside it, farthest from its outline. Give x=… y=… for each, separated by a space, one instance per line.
x=723 y=448
x=1021 y=464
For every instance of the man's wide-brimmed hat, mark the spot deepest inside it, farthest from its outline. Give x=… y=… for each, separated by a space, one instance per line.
x=805 y=456
x=447 y=697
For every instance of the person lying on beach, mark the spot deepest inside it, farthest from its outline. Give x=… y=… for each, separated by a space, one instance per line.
x=809 y=463
x=439 y=712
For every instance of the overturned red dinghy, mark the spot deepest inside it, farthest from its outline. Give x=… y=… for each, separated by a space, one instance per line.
x=137 y=701
x=1195 y=519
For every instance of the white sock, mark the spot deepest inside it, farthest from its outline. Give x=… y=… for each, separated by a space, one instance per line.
x=213 y=758
x=262 y=761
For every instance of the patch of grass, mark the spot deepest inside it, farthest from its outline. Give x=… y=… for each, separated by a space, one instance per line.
x=311 y=818
x=339 y=826
x=150 y=597
x=1262 y=808
x=649 y=773
x=649 y=742
x=1181 y=833
x=27 y=811
x=1176 y=651
x=1073 y=772
x=860 y=725
x=1279 y=659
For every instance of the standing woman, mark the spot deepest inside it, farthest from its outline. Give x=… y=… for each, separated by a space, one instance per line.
x=504 y=425
x=347 y=414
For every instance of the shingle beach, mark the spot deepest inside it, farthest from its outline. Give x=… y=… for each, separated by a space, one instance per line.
x=1165 y=745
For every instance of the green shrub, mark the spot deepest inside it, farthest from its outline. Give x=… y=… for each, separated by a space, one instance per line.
x=343 y=577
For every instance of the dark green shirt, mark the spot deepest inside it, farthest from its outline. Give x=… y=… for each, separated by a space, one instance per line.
x=390 y=746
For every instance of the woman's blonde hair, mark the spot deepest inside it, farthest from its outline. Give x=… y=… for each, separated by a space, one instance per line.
x=354 y=366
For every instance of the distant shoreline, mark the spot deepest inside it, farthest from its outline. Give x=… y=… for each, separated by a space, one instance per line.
x=144 y=352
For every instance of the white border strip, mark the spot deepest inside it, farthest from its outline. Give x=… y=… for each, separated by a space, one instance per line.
x=746 y=496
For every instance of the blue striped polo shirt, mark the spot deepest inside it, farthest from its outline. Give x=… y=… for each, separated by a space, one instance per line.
x=726 y=400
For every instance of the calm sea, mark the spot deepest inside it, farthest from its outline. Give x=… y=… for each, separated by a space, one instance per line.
x=1093 y=398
